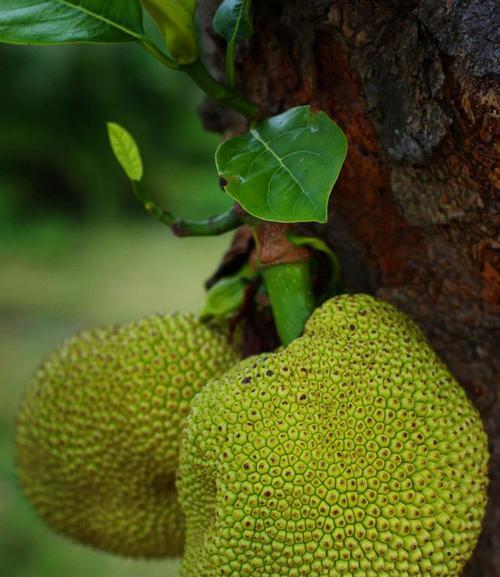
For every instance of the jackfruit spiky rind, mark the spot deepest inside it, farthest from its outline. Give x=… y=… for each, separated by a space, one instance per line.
x=98 y=431
x=353 y=452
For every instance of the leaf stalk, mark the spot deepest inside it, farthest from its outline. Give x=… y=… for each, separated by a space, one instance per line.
x=218 y=92
x=151 y=47
x=214 y=226
x=199 y=74
x=230 y=65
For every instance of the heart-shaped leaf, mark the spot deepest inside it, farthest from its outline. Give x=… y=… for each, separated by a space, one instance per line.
x=283 y=169
x=232 y=20
x=62 y=22
x=125 y=150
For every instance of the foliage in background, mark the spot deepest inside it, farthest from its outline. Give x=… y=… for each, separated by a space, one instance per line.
x=54 y=154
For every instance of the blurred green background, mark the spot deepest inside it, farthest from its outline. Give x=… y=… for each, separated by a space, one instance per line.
x=76 y=248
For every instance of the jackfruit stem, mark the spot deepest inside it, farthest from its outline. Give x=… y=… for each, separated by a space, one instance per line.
x=292 y=301
x=287 y=277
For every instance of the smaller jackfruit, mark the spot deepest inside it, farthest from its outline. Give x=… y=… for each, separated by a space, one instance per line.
x=353 y=452
x=98 y=431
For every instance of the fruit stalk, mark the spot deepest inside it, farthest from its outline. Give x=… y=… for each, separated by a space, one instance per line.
x=291 y=296
x=287 y=277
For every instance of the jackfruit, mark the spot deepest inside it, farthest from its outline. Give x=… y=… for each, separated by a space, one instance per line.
x=98 y=431
x=351 y=453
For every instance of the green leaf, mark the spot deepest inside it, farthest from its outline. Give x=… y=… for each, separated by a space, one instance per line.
x=283 y=169
x=124 y=15
x=226 y=296
x=175 y=18
x=126 y=151
x=232 y=20
x=63 y=22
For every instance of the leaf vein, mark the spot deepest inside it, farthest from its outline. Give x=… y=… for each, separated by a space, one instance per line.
x=112 y=23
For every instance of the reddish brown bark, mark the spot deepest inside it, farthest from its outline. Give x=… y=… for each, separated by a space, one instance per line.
x=414 y=217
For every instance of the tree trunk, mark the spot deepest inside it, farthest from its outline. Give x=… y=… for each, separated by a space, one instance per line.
x=414 y=214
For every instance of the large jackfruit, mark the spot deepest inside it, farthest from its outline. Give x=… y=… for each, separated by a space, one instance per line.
x=98 y=431
x=351 y=453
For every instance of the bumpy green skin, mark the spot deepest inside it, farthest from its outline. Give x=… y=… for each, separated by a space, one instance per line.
x=351 y=453
x=98 y=431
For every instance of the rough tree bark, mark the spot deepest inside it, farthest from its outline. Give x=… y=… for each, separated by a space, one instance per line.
x=414 y=216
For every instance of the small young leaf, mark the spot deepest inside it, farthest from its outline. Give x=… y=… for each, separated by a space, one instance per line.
x=283 y=169
x=175 y=19
x=226 y=296
x=126 y=151
x=62 y=22
x=232 y=20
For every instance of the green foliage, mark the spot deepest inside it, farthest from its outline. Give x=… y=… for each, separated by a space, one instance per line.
x=175 y=19
x=226 y=296
x=55 y=160
x=232 y=20
x=69 y=21
x=283 y=170
x=125 y=150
